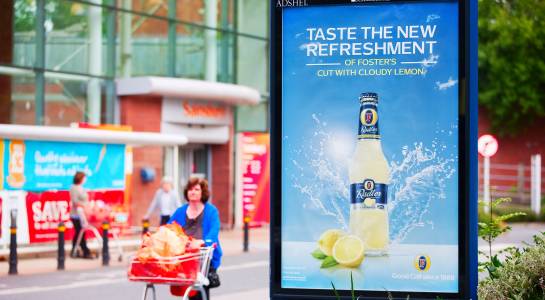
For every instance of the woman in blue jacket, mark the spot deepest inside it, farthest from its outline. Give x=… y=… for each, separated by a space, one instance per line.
x=200 y=220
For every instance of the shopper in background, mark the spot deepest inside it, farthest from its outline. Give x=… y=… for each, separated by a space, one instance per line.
x=78 y=201
x=200 y=220
x=166 y=200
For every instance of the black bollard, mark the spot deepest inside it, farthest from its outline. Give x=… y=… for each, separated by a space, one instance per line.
x=60 y=251
x=246 y=233
x=13 y=243
x=145 y=226
x=105 y=250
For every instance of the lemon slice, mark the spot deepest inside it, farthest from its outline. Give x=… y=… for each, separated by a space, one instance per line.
x=349 y=251
x=328 y=239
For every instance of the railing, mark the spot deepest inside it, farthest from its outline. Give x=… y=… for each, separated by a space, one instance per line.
x=510 y=180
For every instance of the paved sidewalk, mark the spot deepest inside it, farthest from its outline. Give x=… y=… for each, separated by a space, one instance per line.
x=231 y=241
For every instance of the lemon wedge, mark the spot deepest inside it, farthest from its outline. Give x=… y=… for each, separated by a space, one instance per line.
x=328 y=239
x=349 y=251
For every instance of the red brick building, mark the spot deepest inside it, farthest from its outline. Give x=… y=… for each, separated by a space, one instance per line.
x=203 y=112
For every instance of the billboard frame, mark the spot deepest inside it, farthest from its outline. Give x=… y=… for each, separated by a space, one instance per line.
x=467 y=151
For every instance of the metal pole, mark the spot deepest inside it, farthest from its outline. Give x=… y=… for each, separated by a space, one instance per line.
x=520 y=182
x=246 y=234
x=536 y=184
x=126 y=40
x=211 y=62
x=110 y=62
x=105 y=250
x=224 y=71
x=145 y=226
x=486 y=183
x=171 y=57
x=176 y=170
x=94 y=62
x=40 y=63
x=60 y=247
x=13 y=243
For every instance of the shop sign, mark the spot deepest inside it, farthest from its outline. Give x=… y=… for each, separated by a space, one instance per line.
x=195 y=112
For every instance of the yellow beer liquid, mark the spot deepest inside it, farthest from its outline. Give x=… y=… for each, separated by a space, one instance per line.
x=370 y=224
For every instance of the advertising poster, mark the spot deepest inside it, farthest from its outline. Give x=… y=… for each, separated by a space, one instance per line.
x=255 y=177
x=369 y=149
x=14 y=202
x=42 y=165
x=46 y=210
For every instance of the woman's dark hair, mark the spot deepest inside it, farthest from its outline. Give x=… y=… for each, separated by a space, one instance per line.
x=204 y=187
x=78 y=177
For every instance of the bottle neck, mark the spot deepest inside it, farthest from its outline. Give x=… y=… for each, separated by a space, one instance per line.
x=368 y=128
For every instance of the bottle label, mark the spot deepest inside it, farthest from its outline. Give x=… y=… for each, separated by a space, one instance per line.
x=369 y=194
x=368 y=125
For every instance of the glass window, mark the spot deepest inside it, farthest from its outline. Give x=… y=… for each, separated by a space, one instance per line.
x=145 y=50
x=226 y=55
x=253 y=118
x=65 y=101
x=17 y=93
x=190 y=52
x=193 y=11
x=151 y=7
x=200 y=161
x=22 y=34
x=253 y=63
x=190 y=11
x=75 y=37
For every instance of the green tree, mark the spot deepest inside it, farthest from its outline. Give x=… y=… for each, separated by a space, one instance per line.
x=61 y=14
x=512 y=62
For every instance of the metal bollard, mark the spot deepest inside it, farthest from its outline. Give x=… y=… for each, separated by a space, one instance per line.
x=60 y=251
x=246 y=233
x=105 y=250
x=145 y=226
x=13 y=243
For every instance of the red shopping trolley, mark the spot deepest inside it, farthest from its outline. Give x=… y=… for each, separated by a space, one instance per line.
x=189 y=270
x=91 y=226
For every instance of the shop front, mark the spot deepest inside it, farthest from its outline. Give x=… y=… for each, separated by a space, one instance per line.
x=199 y=110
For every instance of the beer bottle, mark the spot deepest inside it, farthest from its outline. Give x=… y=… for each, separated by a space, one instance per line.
x=369 y=175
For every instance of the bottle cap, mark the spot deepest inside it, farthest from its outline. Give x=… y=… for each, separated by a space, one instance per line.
x=368 y=97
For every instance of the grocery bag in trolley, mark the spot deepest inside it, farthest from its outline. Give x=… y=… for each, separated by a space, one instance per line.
x=167 y=256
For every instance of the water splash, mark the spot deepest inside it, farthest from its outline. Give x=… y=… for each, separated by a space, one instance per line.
x=417 y=179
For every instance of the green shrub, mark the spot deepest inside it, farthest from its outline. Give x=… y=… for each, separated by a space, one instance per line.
x=520 y=276
x=509 y=208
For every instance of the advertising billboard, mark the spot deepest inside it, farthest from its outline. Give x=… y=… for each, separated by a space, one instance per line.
x=39 y=214
x=254 y=177
x=369 y=130
x=45 y=165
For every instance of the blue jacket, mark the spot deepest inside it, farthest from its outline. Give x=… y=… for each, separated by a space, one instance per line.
x=210 y=228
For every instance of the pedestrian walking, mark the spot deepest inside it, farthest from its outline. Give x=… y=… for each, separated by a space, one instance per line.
x=78 y=201
x=166 y=200
x=200 y=220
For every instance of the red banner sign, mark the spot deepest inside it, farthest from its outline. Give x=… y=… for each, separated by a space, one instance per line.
x=46 y=210
x=255 y=177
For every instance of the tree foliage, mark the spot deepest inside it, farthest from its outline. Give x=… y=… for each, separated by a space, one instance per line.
x=512 y=62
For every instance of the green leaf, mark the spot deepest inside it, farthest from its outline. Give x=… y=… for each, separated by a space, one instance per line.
x=318 y=254
x=496 y=262
x=329 y=262
x=335 y=291
x=352 y=287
